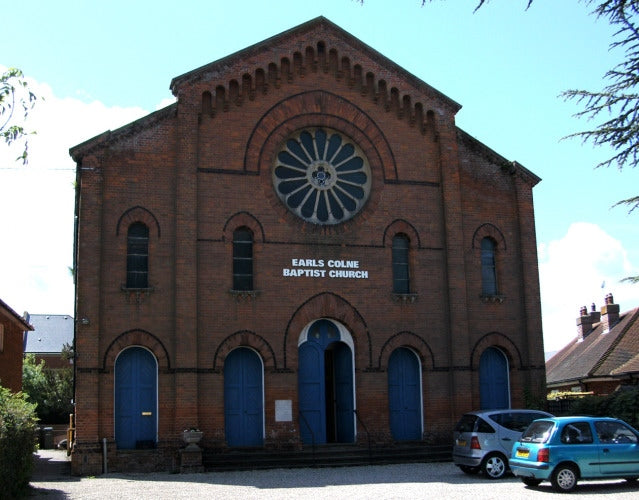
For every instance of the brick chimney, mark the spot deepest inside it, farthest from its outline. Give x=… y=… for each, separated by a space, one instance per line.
x=584 y=324
x=585 y=321
x=609 y=314
x=594 y=314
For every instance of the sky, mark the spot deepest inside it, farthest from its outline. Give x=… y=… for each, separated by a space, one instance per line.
x=100 y=65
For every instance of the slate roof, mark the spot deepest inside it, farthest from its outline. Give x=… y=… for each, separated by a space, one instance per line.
x=611 y=354
x=50 y=333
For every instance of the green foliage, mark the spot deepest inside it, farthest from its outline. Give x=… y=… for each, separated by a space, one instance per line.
x=623 y=404
x=51 y=390
x=18 y=434
x=15 y=94
x=618 y=101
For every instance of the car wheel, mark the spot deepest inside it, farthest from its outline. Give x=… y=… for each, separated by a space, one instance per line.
x=564 y=478
x=495 y=466
x=468 y=469
x=531 y=482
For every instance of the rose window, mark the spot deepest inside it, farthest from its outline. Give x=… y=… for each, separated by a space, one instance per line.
x=322 y=176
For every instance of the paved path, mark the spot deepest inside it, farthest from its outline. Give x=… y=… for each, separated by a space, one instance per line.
x=432 y=481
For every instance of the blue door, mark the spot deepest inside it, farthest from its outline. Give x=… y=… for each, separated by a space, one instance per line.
x=493 y=380
x=312 y=396
x=343 y=382
x=243 y=406
x=135 y=399
x=404 y=395
x=325 y=387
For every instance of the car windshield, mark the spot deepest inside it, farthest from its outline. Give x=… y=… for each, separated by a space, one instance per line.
x=537 y=432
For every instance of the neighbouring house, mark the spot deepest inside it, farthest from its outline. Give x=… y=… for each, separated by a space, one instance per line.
x=13 y=328
x=304 y=249
x=50 y=334
x=604 y=355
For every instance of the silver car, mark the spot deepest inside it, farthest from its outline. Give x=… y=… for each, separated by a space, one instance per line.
x=484 y=439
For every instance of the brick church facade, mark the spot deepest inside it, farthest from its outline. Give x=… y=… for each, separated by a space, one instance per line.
x=303 y=249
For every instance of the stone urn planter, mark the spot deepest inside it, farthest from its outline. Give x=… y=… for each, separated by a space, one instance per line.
x=192 y=437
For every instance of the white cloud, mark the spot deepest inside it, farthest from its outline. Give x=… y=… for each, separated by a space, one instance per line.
x=61 y=123
x=37 y=200
x=572 y=271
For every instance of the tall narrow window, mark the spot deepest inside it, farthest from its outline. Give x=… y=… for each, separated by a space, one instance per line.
x=488 y=275
x=401 y=278
x=242 y=259
x=137 y=256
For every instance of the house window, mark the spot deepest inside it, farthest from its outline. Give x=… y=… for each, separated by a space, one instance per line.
x=137 y=256
x=401 y=278
x=488 y=274
x=242 y=259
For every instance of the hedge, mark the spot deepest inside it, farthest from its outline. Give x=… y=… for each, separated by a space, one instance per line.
x=623 y=404
x=18 y=441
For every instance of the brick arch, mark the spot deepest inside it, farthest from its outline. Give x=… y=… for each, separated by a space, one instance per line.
x=489 y=230
x=246 y=219
x=136 y=338
x=244 y=338
x=138 y=214
x=411 y=340
x=328 y=305
x=317 y=108
x=400 y=226
x=502 y=342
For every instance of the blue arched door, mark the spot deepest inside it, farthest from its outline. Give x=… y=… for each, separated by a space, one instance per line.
x=135 y=399
x=494 y=390
x=404 y=395
x=325 y=386
x=243 y=398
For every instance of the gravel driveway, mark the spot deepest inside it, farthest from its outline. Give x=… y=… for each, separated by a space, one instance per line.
x=378 y=482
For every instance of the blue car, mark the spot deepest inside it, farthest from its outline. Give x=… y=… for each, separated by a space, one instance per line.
x=564 y=450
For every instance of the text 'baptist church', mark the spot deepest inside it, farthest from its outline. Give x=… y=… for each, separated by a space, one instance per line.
x=319 y=268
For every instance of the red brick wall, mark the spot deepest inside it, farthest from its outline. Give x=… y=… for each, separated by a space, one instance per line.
x=11 y=356
x=194 y=176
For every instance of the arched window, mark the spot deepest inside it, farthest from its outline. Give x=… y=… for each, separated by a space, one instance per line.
x=401 y=276
x=137 y=256
x=488 y=272
x=242 y=259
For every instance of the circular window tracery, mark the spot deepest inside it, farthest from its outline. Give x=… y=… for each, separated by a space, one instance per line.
x=322 y=176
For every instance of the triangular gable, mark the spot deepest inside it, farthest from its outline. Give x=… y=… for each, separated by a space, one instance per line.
x=248 y=60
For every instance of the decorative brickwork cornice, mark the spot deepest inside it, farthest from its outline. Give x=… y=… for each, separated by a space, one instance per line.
x=316 y=47
x=111 y=136
x=301 y=38
x=507 y=166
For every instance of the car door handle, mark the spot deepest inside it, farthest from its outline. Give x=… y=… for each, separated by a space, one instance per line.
x=147 y=413
x=506 y=439
x=606 y=450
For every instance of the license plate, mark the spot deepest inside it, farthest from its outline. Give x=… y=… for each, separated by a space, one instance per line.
x=461 y=442
x=522 y=453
